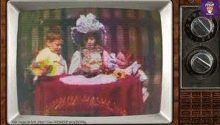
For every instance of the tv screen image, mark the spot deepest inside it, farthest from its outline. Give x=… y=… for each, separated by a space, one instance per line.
x=90 y=62
x=131 y=47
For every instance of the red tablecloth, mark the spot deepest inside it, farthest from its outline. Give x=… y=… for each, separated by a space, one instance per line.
x=123 y=97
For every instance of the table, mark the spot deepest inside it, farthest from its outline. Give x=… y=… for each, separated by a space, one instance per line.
x=122 y=97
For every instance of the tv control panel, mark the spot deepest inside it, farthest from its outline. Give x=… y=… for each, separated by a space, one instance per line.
x=199 y=41
x=199 y=101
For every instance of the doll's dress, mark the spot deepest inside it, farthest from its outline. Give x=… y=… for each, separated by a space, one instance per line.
x=91 y=60
x=85 y=60
x=109 y=62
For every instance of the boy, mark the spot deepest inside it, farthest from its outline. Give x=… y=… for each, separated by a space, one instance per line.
x=49 y=61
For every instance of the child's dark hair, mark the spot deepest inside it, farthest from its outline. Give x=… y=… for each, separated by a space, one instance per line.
x=96 y=35
x=54 y=33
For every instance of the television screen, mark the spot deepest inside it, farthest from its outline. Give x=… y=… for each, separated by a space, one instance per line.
x=91 y=62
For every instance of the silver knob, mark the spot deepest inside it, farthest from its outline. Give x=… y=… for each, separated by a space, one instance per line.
x=202 y=26
x=202 y=62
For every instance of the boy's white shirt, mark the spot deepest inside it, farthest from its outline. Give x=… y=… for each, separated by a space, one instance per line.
x=53 y=57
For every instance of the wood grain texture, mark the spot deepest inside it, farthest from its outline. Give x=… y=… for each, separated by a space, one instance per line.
x=3 y=62
x=176 y=60
x=185 y=2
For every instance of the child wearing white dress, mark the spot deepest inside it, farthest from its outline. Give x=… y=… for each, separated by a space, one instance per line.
x=88 y=60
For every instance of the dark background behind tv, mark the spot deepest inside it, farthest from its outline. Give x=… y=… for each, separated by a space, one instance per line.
x=139 y=31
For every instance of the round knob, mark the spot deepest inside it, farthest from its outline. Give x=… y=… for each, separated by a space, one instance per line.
x=199 y=28
x=202 y=62
x=202 y=26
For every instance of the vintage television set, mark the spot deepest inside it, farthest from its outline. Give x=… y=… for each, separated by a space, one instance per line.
x=139 y=33
x=199 y=64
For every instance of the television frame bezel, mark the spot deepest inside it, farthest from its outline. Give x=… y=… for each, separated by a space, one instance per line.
x=164 y=7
